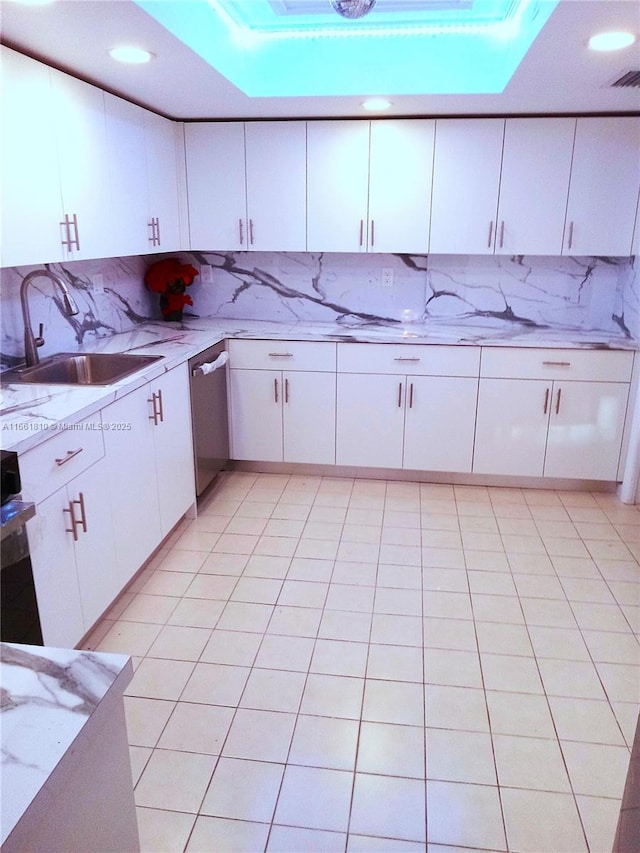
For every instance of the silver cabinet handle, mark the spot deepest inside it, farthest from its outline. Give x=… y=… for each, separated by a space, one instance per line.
x=157 y=415
x=280 y=355
x=490 y=240
x=570 y=240
x=152 y=225
x=502 y=234
x=160 y=405
x=240 y=232
x=286 y=390
x=67 y=224
x=546 y=401
x=154 y=415
x=399 y=394
x=406 y=358
x=275 y=390
x=373 y=233
x=361 y=231
x=558 y=401
x=75 y=522
x=251 y=231
x=158 y=240
x=411 y=396
x=69 y=456
x=557 y=363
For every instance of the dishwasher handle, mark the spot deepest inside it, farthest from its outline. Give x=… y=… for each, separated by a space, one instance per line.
x=210 y=366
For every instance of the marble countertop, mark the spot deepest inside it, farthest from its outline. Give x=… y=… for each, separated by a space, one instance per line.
x=31 y=412
x=46 y=698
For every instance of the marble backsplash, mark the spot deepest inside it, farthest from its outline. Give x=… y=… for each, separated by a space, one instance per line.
x=556 y=293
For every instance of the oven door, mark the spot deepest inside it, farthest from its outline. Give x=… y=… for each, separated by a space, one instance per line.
x=19 y=618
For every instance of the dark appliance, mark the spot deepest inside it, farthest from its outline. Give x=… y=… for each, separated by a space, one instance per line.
x=208 y=382
x=19 y=618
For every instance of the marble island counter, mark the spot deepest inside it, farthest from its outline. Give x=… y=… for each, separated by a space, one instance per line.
x=66 y=779
x=29 y=412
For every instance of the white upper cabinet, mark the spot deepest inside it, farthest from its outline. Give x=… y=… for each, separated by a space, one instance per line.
x=466 y=179
x=536 y=165
x=255 y=201
x=127 y=219
x=163 y=221
x=216 y=185
x=276 y=185
x=369 y=185
x=603 y=193
x=30 y=232
x=81 y=137
x=337 y=180
x=400 y=173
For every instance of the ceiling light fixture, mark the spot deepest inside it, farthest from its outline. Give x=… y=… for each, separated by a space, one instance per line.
x=352 y=8
x=611 y=41
x=131 y=54
x=376 y=104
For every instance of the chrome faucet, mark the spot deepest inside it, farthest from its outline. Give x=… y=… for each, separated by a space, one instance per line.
x=32 y=343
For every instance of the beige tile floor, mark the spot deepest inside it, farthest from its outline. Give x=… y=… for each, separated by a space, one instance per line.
x=330 y=664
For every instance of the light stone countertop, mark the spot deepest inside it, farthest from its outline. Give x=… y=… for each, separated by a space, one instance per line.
x=29 y=413
x=47 y=697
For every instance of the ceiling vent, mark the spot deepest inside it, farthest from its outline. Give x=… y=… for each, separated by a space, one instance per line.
x=630 y=79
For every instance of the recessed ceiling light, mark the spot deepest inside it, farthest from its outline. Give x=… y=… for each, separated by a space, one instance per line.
x=611 y=41
x=131 y=54
x=375 y=104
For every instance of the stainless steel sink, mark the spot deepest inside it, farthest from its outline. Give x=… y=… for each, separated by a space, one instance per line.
x=68 y=368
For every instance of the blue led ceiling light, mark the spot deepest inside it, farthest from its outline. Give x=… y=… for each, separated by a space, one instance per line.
x=288 y=48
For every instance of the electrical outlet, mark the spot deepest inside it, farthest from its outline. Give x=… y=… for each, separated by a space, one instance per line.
x=96 y=283
x=206 y=273
x=387 y=277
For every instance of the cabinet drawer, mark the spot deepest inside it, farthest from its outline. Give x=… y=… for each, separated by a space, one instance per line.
x=411 y=359
x=282 y=355
x=578 y=365
x=51 y=465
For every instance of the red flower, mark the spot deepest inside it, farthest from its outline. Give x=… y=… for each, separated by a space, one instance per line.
x=170 y=275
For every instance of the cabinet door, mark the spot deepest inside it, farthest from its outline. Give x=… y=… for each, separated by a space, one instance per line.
x=98 y=576
x=511 y=426
x=127 y=218
x=440 y=421
x=54 y=572
x=603 y=193
x=30 y=231
x=81 y=138
x=132 y=481
x=585 y=430
x=309 y=417
x=276 y=185
x=370 y=420
x=216 y=185
x=534 y=185
x=173 y=445
x=337 y=179
x=162 y=180
x=256 y=414
x=400 y=172
x=466 y=177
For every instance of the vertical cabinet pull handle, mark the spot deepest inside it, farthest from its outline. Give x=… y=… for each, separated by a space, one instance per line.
x=158 y=241
x=154 y=415
x=570 y=240
x=490 y=240
x=399 y=394
x=71 y=529
x=83 y=514
x=160 y=406
x=558 y=401
x=286 y=390
x=411 y=396
x=76 y=238
x=251 y=231
x=241 y=232
x=373 y=233
x=68 y=224
x=502 y=234
x=275 y=390
x=157 y=415
x=361 y=232
x=546 y=401
x=154 y=224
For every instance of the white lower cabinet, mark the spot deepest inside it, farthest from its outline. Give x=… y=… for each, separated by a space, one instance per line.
x=71 y=537
x=282 y=401
x=407 y=406
x=540 y=424
x=151 y=480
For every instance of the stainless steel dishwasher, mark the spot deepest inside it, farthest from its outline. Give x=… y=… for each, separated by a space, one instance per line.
x=208 y=383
